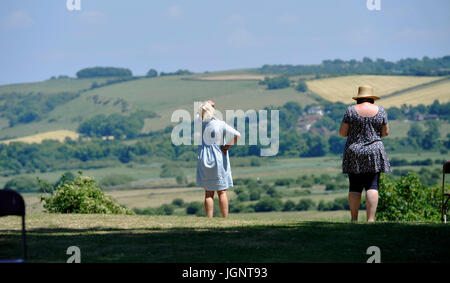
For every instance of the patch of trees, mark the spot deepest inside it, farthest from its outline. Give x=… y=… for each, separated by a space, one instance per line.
x=21 y=108
x=116 y=125
x=409 y=66
x=152 y=73
x=95 y=72
x=176 y=73
x=419 y=139
x=301 y=85
x=60 y=77
x=278 y=82
x=410 y=112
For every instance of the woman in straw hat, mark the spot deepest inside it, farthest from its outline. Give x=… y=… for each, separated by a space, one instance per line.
x=213 y=166
x=364 y=124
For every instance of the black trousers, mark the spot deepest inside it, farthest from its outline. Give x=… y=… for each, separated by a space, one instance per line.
x=368 y=181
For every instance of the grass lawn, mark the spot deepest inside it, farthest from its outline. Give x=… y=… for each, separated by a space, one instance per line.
x=265 y=237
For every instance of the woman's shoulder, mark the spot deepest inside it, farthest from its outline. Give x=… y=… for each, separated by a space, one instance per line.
x=381 y=109
x=349 y=109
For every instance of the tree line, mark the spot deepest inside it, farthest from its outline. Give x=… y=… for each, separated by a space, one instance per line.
x=409 y=67
x=95 y=72
x=116 y=125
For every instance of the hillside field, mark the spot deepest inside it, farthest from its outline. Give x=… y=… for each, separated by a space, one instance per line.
x=344 y=88
x=424 y=96
x=162 y=95
x=59 y=135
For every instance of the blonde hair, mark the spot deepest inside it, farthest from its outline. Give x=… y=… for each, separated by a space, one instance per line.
x=206 y=111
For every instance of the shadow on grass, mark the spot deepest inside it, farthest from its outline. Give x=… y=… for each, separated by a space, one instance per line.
x=302 y=242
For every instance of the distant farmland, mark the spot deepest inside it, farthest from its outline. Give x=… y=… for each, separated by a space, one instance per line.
x=59 y=135
x=440 y=91
x=344 y=88
x=237 y=89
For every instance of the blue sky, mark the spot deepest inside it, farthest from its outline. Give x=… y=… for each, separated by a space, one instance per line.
x=40 y=39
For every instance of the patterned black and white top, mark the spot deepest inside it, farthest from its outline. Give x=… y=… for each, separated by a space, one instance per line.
x=364 y=151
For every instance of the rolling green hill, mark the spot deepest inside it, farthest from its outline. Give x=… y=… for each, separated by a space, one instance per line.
x=162 y=95
x=228 y=89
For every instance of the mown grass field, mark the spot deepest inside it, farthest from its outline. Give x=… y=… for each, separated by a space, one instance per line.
x=59 y=135
x=266 y=237
x=344 y=88
x=424 y=96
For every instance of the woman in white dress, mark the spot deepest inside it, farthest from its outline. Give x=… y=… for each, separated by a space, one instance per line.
x=213 y=166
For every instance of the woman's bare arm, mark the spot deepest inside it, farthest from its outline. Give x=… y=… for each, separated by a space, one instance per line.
x=229 y=144
x=385 y=130
x=343 y=130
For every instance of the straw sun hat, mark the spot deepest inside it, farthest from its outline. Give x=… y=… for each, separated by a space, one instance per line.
x=365 y=91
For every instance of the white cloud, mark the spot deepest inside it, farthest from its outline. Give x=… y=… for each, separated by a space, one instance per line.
x=174 y=11
x=17 y=20
x=92 y=18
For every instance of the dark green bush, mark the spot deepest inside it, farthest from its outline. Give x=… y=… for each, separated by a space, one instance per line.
x=144 y=211
x=178 y=202
x=305 y=204
x=243 y=197
x=334 y=186
x=236 y=207
x=269 y=204
x=331 y=187
x=165 y=209
x=81 y=195
x=181 y=179
x=407 y=199
x=324 y=206
x=284 y=182
x=307 y=184
x=301 y=85
x=277 y=82
x=273 y=192
x=337 y=204
x=255 y=195
x=289 y=205
x=194 y=207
